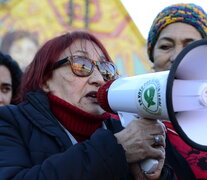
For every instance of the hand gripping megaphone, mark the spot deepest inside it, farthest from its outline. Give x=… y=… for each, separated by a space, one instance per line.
x=179 y=95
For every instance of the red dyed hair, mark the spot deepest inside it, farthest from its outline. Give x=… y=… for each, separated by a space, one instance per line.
x=40 y=69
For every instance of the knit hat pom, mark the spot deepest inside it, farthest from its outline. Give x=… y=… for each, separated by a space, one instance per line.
x=187 y=13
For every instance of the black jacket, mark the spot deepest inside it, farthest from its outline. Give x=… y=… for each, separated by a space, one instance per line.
x=33 y=146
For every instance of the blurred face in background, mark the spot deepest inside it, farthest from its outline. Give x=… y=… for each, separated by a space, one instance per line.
x=23 y=51
x=5 y=86
x=172 y=39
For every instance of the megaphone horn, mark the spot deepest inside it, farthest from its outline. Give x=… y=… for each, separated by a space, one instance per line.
x=179 y=95
x=186 y=94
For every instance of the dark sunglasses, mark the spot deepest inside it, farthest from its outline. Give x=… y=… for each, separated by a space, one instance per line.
x=83 y=66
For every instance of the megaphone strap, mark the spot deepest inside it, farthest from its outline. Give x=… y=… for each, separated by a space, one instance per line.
x=169 y=127
x=172 y=131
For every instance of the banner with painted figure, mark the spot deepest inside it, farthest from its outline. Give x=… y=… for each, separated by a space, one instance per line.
x=26 y=24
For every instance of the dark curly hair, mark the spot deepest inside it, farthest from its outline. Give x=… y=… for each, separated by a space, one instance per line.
x=16 y=74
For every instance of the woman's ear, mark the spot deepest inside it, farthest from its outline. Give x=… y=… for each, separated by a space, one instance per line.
x=45 y=87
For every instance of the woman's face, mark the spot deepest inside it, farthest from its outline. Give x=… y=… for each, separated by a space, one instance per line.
x=78 y=91
x=5 y=86
x=171 y=41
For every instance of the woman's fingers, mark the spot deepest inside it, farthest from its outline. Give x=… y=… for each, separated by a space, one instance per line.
x=139 y=138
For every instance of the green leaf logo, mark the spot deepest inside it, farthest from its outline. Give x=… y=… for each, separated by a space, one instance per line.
x=149 y=94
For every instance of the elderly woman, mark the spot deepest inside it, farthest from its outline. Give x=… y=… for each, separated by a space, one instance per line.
x=10 y=77
x=174 y=28
x=59 y=131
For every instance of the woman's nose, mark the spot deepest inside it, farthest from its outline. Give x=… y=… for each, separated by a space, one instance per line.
x=96 y=78
x=175 y=53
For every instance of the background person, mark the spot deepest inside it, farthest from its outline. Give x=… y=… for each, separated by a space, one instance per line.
x=10 y=77
x=20 y=45
x=174 y=28
x=59 y=131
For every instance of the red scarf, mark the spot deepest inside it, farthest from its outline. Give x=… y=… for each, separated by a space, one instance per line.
x=78 y=122
x=196 y=159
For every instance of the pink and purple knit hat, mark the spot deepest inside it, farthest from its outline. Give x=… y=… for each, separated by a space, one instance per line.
x=187 y=13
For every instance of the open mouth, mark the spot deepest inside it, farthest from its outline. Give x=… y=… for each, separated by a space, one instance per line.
x=92 y=96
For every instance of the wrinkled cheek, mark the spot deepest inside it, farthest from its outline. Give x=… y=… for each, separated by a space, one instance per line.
x=73 y=100
x=167 y=66
x=162 y=66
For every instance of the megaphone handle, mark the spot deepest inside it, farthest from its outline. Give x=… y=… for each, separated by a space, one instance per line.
x=148 y=165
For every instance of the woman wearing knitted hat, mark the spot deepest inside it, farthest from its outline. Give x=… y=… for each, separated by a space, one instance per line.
x=174 y=28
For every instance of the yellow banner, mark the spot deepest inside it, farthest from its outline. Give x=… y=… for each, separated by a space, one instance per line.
x=26 y=24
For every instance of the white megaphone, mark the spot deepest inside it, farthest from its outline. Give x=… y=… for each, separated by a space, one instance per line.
x=179 y=95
